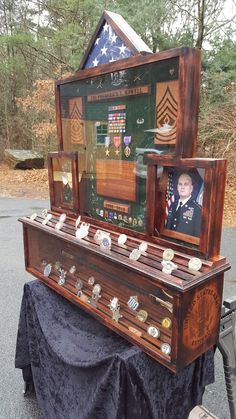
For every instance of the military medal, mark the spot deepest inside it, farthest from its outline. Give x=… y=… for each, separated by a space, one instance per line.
x=135 y=254
x=168 y=254
x=57 y=265
x=127 y=141
x=165 y=348
x=195 y=264
x=117 y=143
x=153 y=331
x=142 y=315
x=107 y=143
x=122 y=239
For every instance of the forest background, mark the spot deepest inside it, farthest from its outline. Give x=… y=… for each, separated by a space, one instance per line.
x=42 y=40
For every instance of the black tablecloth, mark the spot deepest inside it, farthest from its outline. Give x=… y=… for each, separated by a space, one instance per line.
x=82 y=370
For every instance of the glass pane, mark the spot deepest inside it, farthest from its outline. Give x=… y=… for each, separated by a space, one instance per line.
x=62 y=181
x=113 y=121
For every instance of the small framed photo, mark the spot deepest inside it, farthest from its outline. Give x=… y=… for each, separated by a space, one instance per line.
x=188 y=207
x=63 y=181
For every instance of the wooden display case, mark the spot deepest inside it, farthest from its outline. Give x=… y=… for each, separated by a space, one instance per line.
x=182 y=308
x=111 y=243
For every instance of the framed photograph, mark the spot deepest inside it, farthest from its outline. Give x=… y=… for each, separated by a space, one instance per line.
x=188 y=207
x=63 y=181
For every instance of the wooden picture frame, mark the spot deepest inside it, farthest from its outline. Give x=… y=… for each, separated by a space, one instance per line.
x=63 y=184
x=198 y=228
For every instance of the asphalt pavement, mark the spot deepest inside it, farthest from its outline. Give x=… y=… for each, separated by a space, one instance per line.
x=13 y=405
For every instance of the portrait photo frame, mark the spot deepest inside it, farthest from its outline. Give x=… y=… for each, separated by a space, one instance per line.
x=197 y=225
x=63 y=181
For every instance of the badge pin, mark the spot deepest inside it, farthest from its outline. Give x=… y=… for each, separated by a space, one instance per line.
x=96 y=292
x=62 y=278
x=116 y=316
x=168 y=266
x=114 y=304
x=72 y=270
x=153 y=331
x=82 y=231
x=91 y=280
x=133 y=302
x=79 y=285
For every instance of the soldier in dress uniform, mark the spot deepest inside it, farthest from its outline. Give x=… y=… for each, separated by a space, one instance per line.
x=184 y=214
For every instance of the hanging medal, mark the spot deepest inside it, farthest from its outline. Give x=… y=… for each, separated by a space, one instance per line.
x=117 y=143
x=107 y=143
x=127 y=141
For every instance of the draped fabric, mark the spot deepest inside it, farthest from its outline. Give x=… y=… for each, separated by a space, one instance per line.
x=82 y=370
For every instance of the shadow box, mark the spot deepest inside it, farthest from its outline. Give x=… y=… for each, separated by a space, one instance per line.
x=63 y=181
x=185 y=200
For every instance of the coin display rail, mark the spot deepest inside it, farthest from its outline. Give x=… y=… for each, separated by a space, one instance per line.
x=135 y=298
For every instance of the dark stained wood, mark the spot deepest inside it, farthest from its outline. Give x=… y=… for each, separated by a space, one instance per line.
x=58 y=117
x=55 y=187
x=124 y=64
x=116 y=179
x=121 y=277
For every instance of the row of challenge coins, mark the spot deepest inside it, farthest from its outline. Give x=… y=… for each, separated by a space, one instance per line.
x=104 y=240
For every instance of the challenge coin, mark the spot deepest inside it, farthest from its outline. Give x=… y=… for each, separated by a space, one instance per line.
x=143 y=247
x=62 y=218
x=195 y=264
x=135 y=254
x=142 y=315
x=153 y=331
x=122 y=239
x=165 y=348
x=166 y=323
x=168 y=254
